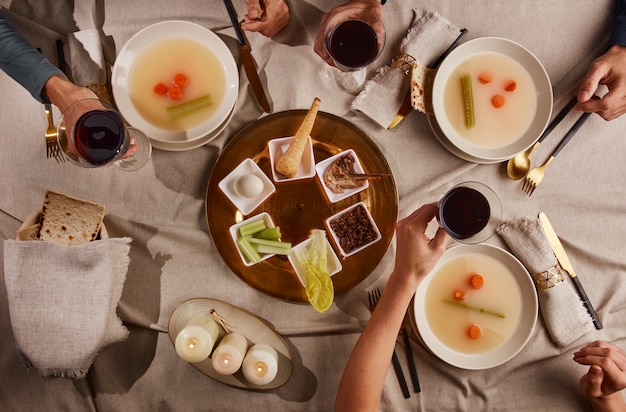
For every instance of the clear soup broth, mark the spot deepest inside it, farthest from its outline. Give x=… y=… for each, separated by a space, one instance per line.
x=500 y=293
x=159 y=63
x=494 y=127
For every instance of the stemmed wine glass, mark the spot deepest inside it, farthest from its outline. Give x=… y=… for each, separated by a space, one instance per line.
x=99 y=137
x=470 y=212
x=354 y=38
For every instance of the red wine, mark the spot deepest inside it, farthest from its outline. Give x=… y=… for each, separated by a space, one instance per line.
x=464 y=212
x=99 y=136
x=353 y=44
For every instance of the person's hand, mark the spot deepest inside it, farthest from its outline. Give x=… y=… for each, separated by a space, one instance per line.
x=416 y=253
x=267 y=19
x=606 y=376
x=609 y=70
x=319 y=47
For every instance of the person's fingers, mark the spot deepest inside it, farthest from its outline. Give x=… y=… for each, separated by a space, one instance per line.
x=590 y=84
x=254 y=9
x=591 y=382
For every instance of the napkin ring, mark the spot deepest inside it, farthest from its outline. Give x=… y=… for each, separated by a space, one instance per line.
x=403 y=62
x=549 y=278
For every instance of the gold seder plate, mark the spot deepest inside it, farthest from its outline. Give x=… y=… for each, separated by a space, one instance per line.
x=299 y=206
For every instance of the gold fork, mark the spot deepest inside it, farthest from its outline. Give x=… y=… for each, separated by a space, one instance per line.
x=52 y=144
x=373 y=297
x=535 y=176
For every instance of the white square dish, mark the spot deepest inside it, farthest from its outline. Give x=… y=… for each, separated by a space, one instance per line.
x=234 y=234
x=353 y=228
x=306 y=169
x=334 y=265
x=321 y=168
x=246 y=204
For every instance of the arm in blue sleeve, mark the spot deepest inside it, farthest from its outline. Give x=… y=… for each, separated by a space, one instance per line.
x=22 y=62
x=618 y=31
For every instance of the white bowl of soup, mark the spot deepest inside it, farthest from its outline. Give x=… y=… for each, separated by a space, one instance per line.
x=511 y=98
x=477 y=308
x=176 y=81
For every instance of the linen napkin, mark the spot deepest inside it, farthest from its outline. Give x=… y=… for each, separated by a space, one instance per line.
x=85 y=56
x=563 y=311
x=62 y=301
x=428 y=38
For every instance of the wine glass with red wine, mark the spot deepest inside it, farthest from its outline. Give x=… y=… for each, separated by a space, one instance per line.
x=99 y=137
x=355 y=37
x=470 y=212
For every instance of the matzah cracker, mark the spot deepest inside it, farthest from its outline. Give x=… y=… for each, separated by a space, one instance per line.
x=421 y=88
x=69 y=220
x=29 y=232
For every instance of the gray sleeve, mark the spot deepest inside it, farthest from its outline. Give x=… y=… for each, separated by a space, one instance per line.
x=22 y=62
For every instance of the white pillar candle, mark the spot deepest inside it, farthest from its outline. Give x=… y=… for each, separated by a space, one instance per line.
x=228 y=355
x=195 y=341
x=260 y=364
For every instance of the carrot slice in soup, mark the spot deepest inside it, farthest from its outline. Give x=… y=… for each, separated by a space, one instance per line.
x=160 y=89
x=485 y=77
x=180 y=80
x=175 y=93
x=477 y=281
x=510 y=86
x=498 y=101
x=459 y=295
x=474 y=331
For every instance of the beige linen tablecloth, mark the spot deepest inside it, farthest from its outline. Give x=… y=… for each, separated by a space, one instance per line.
x=172 y=256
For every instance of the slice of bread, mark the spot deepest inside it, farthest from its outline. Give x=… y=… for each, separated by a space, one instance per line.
x=69 y=220
x=421 y=88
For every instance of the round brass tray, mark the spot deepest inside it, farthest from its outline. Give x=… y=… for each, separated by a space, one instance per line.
x=299 y=206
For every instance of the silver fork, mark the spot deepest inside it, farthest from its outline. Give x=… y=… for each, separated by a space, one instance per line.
x=535 y=176
x=373 y=297
x=52 y=145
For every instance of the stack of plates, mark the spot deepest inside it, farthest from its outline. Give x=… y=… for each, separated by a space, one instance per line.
x=169 y=139
x=462 y=147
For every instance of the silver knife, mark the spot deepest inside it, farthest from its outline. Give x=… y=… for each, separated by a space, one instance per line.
x=247 y=60
x=561 y=256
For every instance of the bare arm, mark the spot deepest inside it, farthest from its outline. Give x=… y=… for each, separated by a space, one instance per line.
x=363 y=379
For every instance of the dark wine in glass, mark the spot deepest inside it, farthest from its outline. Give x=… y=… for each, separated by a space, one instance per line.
x=99 y=136
x=470 y=212
x=353 y=43
x=354 y=38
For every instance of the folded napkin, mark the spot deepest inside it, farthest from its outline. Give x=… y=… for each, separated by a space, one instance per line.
x=563 y=311
x=62 y=301
x=85 y=56
x=427 y=39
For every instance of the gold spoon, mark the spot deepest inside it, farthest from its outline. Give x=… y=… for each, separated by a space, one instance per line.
x=518 y=166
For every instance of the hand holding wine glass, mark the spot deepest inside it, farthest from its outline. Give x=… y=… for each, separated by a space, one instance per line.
x=92 y=134
x=351 y=37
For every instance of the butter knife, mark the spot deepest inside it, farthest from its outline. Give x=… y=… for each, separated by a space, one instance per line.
x=561 y=256
x=247 y=60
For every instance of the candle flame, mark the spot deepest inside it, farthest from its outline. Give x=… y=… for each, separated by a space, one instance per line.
x=260 y=369
x=193 y=343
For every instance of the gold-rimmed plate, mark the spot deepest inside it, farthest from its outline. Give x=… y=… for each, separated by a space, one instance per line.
x=299 y=206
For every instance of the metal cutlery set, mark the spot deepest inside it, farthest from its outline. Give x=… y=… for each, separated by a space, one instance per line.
x=373 y=297
x=519 y=165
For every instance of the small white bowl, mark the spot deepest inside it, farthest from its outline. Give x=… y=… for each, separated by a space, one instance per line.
x=244 y=204
x=324 y=164
x=306 y=169
x=336 y=237
x=234 y=234
x=334 y=265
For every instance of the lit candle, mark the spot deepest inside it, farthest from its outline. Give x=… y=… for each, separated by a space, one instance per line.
x=228 y=355
x=195 y=341
x=260 y=364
